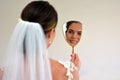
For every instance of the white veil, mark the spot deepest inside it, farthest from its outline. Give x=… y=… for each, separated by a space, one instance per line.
x=27 y=54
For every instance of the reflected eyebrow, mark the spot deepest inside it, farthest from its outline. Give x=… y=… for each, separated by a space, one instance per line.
x=73 y=30
x=70 y=30
x=80 y=31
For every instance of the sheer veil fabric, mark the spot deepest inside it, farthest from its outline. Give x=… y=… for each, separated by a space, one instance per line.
x=27 y=54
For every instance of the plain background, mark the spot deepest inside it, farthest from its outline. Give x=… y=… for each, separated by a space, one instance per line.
x=99 y=48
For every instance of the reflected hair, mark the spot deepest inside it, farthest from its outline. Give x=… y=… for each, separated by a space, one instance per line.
x=70 y=22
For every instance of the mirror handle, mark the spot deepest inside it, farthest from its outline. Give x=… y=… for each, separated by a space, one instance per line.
x=72 y=49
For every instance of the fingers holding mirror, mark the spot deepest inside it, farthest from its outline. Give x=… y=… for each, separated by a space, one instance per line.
x=72 y=31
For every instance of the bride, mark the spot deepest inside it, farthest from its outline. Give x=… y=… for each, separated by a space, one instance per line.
x=27 y=52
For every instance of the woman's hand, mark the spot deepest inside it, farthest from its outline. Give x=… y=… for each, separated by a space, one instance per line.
x=1 y=74
x=76 y=61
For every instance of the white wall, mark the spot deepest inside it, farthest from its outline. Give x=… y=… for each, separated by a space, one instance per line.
x=99 y=48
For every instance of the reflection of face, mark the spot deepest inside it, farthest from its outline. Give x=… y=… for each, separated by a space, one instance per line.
x=73 y=34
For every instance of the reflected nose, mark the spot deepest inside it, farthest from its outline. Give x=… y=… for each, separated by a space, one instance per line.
x=75 y=35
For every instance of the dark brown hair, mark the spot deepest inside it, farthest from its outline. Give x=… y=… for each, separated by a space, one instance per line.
x=41 y=12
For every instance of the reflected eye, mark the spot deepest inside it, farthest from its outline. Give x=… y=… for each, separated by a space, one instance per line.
x=79 y=33
x=71 y=31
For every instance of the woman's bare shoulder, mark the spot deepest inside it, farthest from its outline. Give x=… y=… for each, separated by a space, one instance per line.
x=56 y=64
x=58 y=70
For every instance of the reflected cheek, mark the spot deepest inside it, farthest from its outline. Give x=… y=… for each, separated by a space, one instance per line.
x=78 y=37
x=68 y=38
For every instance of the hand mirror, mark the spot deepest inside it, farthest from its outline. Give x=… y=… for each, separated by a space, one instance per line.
x=72 y=31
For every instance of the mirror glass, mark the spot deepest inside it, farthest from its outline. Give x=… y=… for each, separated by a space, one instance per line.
x=72 y=31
